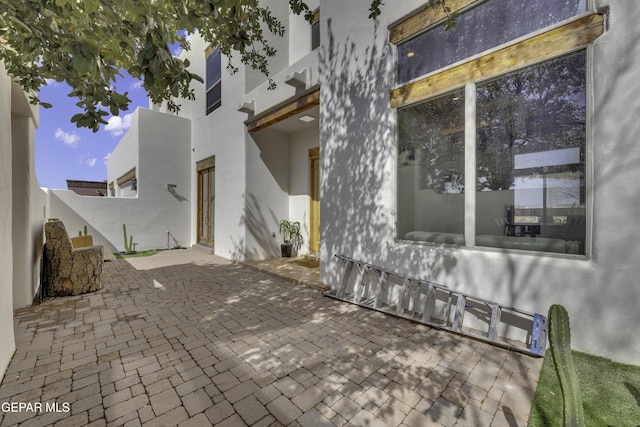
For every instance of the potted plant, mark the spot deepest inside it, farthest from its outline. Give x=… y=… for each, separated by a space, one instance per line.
x=290 y=231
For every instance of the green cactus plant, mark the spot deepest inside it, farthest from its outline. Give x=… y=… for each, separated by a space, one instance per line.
x=127 y=243
x=560 y=342
x=80 y=232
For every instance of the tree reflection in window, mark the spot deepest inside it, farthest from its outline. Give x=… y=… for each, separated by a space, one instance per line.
x=538 y=109
x=530 y=155
x=530 y=128
x=431 y=135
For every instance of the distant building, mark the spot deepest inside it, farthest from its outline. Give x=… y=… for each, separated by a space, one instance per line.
x=88 y=188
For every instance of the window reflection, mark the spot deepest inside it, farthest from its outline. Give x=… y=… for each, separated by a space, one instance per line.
x=530 y=158
x=484 y=27
x=431 y=170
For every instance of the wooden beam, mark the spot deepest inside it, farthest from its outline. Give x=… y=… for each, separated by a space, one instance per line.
x=425 y=18
x=284 y=111
x=207 y=163
x=316 y=16
x=126 y=177
x=552 y=43
x=209 y=50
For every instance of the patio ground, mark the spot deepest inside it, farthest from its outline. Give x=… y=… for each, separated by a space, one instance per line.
x=186 y=338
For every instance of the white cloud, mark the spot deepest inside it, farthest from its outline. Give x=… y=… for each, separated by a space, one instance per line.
x=85 y=160
x=135 y=85
x=118 y=125
x=106 y=159
x=70 y=139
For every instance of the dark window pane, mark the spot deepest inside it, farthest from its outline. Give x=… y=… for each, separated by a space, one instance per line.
x=315 y=35
x=484 y=27
x=214 y=97
x=530 y=154
x=431 y=170
x=214 y=68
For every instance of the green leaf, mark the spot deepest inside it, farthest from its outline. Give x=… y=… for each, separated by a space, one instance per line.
x=86 y=42
x=81 y=64
x=91 y=6
x=76 y=117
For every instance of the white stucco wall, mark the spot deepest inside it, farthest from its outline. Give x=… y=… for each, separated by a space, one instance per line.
x=299 y=34
x=268 y=186
x=278 y=160
x=252 y=170
x=358 y=188
x=219 y=134
x=28 y=203
x=21 y=210
x=6 y=260
x=299 y=198
x=158 y=146
x=277 y=187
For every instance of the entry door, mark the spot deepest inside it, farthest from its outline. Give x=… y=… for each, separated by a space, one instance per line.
x=206 y=205
x=314 y=196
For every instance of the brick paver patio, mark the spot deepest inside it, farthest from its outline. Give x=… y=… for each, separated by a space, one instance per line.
x=227 y=345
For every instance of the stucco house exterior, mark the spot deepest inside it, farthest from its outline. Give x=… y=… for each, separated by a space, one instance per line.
x=500 y=163
x=415 y=156
x=498 y=158
x=151 y=201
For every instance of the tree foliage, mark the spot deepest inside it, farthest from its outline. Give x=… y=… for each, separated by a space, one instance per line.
x=87 y=43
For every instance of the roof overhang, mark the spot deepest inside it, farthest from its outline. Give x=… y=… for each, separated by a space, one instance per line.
x=289 y=108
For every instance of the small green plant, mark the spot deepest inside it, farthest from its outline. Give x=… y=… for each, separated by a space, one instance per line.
x=85 y=231
x=127 y=243
x=290 y=231
x=560 y=342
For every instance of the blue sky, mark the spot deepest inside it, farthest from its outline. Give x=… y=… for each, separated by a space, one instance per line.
x=64 y=151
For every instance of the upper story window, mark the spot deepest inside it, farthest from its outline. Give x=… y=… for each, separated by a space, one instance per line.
x=492 y=151
x=214 y=79
x=315 y=30
x=127 y=185
x=490 y=24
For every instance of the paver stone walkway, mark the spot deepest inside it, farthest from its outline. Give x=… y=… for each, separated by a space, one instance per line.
x=214 y=343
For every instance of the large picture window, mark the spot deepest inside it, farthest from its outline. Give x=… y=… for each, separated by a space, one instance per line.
x=214 y=80
x=431 y=170
x=530 y=158
x=499 y=159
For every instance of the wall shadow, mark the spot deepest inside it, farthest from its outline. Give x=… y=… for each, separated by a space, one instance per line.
x=358 y=151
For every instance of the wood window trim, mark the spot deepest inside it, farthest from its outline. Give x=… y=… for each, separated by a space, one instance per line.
x=208 y=163
x=209 y=51
x=125 y=178
x=316 y=17
x=426 y=18
x=210 y=108
x=564 y=38
x=289 y=108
